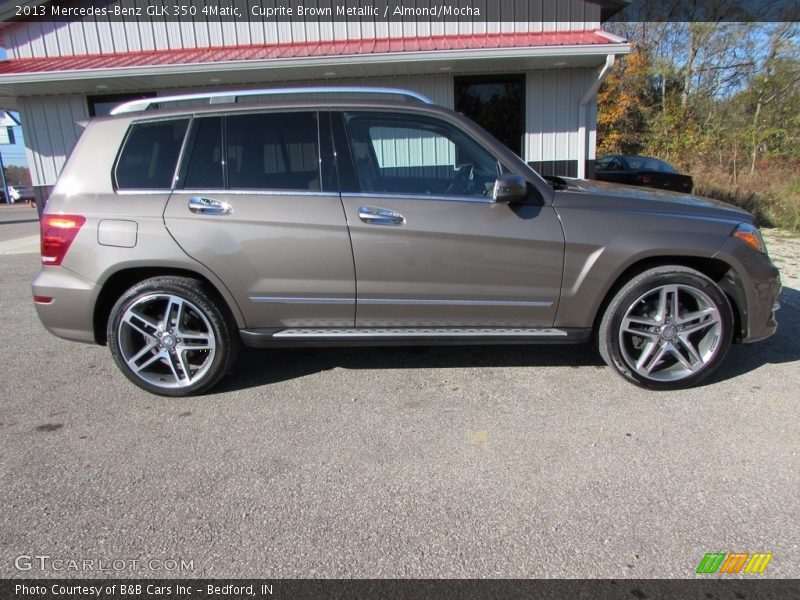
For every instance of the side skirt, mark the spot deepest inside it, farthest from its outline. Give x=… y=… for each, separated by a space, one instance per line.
x=409 y=336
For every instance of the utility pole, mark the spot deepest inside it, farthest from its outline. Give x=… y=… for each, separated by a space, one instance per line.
x=3 y=179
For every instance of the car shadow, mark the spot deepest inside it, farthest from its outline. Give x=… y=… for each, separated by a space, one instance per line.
x=19 y=221
x=262 y=367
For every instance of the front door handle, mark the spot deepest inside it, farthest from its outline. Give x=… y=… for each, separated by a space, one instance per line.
x=380 y=216
x=208 y=206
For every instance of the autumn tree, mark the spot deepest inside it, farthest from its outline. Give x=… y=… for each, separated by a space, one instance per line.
x=624 y=103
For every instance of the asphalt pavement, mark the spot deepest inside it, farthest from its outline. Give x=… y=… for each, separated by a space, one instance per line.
x=417 y=462
x=19 y=225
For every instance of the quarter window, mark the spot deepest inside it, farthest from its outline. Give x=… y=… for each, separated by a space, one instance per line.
x=419 y=156
x=150 y=154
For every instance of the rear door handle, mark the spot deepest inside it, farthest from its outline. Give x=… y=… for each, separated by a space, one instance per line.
x=208 y=206
x=380 y=216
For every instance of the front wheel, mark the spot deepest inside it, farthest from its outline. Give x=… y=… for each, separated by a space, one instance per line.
x=171 y=336
x=668 y=328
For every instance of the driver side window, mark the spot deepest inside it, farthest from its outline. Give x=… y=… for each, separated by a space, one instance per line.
x=404 y=154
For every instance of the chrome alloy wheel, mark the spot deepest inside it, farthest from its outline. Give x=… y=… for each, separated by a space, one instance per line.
x=670 y=333
x=166 y=341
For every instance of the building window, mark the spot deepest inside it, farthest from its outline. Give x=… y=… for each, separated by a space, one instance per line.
x=496 y=103
x=103 y=104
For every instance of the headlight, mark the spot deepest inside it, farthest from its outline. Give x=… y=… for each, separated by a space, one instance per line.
x=751 y=236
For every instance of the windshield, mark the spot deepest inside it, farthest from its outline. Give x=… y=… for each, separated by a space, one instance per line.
x=641 y=163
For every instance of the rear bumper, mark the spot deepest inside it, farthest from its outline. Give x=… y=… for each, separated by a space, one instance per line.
x=754 y=283
x=70 y=312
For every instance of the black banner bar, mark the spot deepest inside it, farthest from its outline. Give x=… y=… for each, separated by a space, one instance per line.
x=390 y=589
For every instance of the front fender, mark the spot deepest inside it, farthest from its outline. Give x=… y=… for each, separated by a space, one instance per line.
x=601 y=246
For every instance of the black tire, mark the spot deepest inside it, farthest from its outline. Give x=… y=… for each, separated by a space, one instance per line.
x=191 y=354
x=677 y=356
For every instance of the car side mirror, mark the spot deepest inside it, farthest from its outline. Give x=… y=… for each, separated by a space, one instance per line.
x=510 y=188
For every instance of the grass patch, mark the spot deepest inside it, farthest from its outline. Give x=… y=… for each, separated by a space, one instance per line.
x=773 y=197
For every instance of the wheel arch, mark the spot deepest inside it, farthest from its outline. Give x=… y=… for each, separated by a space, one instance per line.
x=120 y=281
x=720 y=272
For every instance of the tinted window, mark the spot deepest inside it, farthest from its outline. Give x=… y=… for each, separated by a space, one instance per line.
x=604 y=164
x=148 y=159
x=278 y=151
x=660 y=165
x=609 y=163
x=640 y=163
x=204 y=155
x=418 y=155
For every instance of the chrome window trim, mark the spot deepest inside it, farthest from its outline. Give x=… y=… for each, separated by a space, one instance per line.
x=146 y=192
x=384 y=195
x=220 y=191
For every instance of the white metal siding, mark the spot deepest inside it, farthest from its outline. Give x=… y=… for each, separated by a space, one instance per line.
x=552 y=99
x=50 y=124
x=95 y=35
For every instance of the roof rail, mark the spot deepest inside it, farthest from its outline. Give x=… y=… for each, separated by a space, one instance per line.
x=231 y=96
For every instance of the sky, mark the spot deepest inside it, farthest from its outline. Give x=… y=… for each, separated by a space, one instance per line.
x=15 y=154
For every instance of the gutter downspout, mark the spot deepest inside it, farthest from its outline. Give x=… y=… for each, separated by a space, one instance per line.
x=582 y=115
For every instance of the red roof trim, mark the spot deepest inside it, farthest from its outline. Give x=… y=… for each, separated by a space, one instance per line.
x=301 y=50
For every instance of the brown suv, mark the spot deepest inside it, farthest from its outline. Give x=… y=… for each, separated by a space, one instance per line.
x=174 y=235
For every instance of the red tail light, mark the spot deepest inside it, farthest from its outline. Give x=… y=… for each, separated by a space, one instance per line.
x=58 y=232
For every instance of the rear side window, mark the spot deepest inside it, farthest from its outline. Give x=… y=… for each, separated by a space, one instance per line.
x=150 y=155
x=203 y=160
x=273 y=151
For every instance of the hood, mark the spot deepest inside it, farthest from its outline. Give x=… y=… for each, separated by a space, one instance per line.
x=646 y=199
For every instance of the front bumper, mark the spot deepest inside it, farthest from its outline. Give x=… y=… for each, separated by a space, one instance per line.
x=70 y=312
x=754 y=283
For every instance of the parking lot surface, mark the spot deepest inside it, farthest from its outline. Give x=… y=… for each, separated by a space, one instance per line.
x=416 y=462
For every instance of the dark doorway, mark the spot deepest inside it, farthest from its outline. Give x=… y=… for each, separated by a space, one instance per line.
x=102 y=104
x=496 y=103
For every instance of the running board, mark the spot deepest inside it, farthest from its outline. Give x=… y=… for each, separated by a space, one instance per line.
x=398 y=336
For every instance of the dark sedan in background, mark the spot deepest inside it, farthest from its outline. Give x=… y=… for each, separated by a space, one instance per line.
x=642 y=170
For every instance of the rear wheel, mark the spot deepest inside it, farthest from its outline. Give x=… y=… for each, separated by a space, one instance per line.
x=171 y=336
x=668 y=328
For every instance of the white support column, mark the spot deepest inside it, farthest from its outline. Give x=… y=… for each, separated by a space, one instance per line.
x=582 y=115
